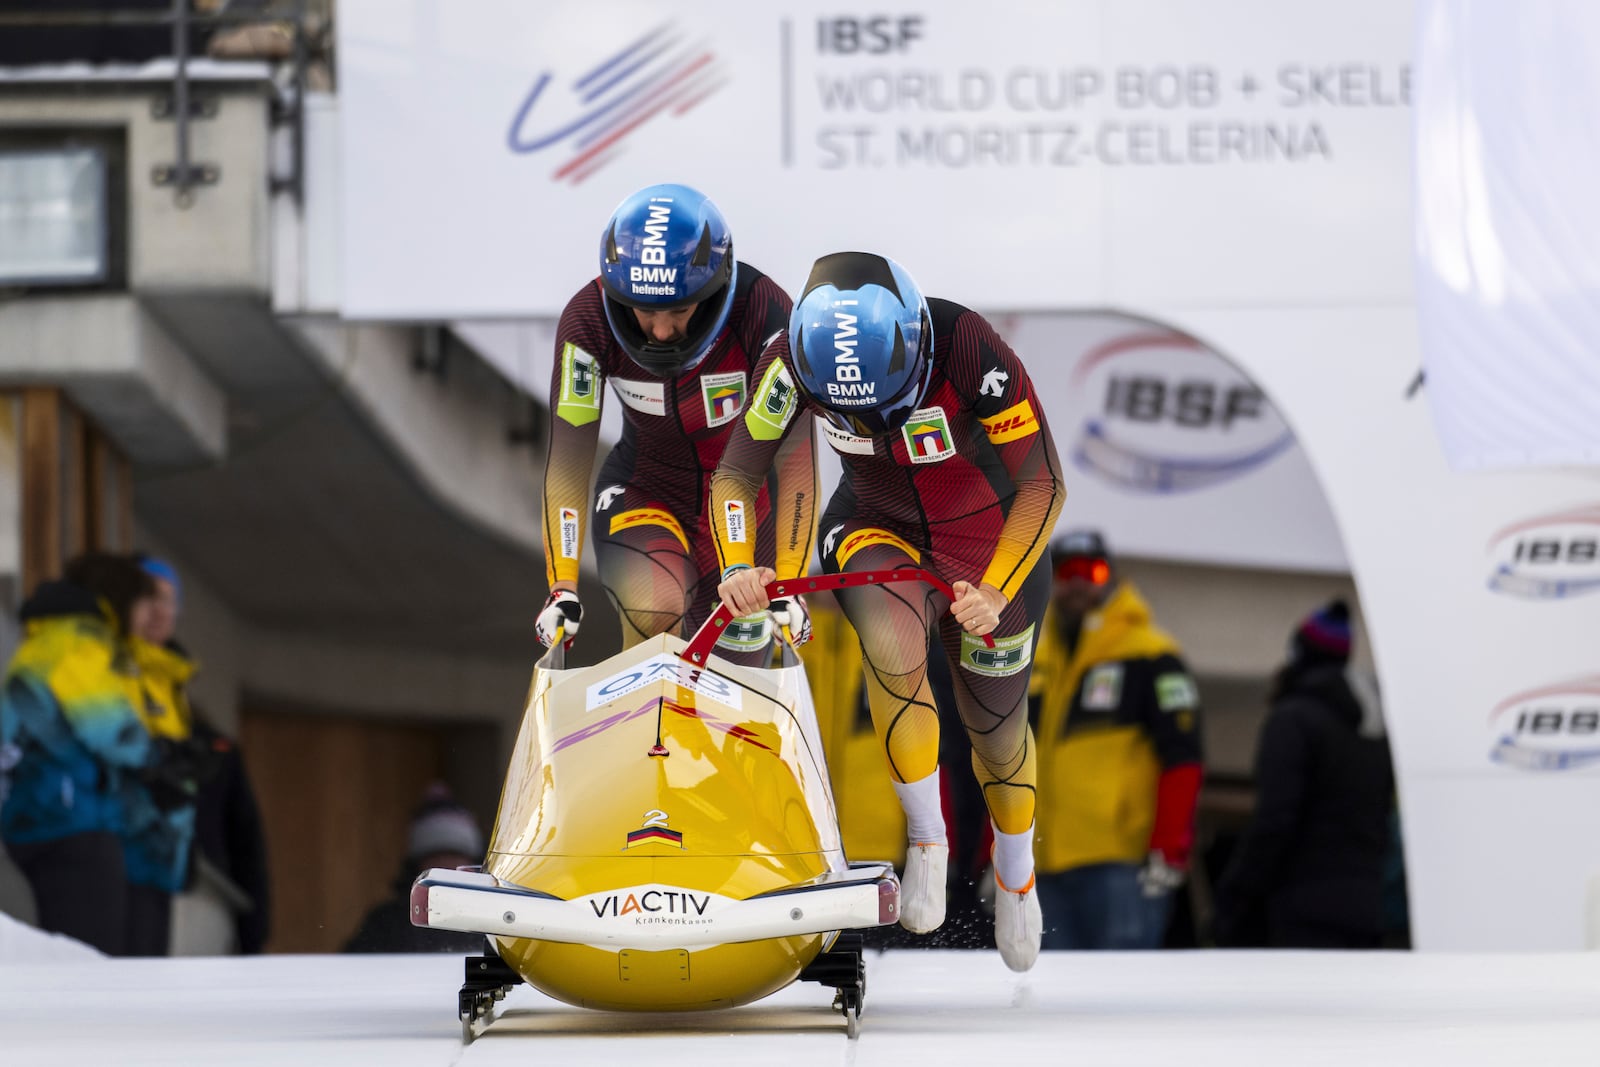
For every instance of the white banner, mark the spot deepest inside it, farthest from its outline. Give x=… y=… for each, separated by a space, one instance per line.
x=1013 y=155
x=1236 y=170
x=1508 y=161
x=1170 y=449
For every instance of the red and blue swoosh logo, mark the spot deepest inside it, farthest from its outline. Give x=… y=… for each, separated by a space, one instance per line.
x=663 y=73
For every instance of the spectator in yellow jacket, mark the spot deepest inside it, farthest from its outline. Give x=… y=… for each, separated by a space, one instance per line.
x=1118 y=727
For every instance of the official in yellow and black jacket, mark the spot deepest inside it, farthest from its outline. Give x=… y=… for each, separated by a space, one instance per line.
x=1118 y=722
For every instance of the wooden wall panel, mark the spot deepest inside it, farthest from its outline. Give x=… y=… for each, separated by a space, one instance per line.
x=336 y=794
x=41 y=486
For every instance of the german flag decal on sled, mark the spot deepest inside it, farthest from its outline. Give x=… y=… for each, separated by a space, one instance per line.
x=655 y=833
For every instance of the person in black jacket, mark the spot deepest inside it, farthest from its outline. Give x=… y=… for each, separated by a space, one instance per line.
x=231 y=838
x=442 y=834
x=1308 y=872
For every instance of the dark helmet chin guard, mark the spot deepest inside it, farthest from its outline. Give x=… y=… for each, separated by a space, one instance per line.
x=665 y=247
x=862 y=342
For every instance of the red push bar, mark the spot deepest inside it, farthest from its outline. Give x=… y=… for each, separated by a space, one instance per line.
x=705 y=638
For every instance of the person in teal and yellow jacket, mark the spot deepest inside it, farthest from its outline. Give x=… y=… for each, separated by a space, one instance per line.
x=1119 y=757
x=72 y=747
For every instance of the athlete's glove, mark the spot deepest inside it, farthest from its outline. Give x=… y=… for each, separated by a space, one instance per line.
x=1157 y=877
x=791 y=611
x=563 y=612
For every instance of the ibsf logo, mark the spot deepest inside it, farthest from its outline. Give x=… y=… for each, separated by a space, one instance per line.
x=661 y=73
x=1550 y=557
x=871 y=35
x=1554 y=728
x=1172 y=416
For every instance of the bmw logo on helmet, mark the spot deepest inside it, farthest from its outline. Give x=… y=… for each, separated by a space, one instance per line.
x=862 y=342
x=665 y=247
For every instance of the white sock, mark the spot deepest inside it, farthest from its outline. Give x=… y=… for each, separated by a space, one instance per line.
x=924 y=814
x=1013 y=858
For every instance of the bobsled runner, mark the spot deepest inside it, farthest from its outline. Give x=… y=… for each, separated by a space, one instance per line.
x=666 y=839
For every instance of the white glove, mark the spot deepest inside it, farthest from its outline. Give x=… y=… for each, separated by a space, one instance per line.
x=562 y=611
x=1158 y=877
x=791 y=611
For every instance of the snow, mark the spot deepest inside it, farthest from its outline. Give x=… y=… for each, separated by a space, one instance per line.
x=923 y=1007
x=21 y=943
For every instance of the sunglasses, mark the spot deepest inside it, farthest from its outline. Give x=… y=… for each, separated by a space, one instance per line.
x=1091 y=569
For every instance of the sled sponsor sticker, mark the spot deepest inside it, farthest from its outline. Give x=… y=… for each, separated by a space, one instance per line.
x=569 y=533
x=1102 y=687
x=654 y=905
x=723 y=395
x=774 y=404
x=1008 y=656
x=665 y=667
x=927 y=436
x=579 y=402
x=647 y=398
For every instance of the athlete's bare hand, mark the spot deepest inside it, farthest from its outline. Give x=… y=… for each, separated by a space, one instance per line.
x=977 y=607
x=744 y=591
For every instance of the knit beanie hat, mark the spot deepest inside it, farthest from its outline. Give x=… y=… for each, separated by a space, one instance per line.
x=442 y=825
x=1325 y=633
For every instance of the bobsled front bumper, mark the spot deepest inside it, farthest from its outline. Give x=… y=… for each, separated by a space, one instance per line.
x=655 y=915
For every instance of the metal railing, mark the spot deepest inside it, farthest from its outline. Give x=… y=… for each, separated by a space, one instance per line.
x=183 y=174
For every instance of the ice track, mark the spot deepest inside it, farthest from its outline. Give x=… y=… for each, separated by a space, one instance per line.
x=922 y=1007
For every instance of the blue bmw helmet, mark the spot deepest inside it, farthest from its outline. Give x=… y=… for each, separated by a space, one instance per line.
x=862 y=342
x=667 y=246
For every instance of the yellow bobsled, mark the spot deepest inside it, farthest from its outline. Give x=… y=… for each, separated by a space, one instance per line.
x=666 y=840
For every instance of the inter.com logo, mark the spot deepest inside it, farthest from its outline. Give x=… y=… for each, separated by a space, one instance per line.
x=1550 y=557
x=663 y=73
